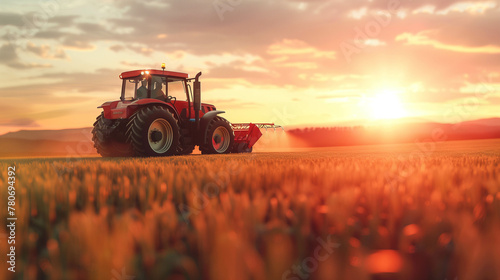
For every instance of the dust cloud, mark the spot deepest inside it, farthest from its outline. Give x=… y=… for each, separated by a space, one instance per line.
x=278 y=141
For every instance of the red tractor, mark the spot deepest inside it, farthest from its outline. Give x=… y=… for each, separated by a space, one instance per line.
x=160 y=114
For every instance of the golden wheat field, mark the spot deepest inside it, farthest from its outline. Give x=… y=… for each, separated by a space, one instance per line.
x=372 y=212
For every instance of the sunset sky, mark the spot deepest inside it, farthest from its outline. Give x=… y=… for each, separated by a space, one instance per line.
x=289 y=62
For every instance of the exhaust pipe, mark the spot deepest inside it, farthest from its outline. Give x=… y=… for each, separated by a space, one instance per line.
x=197 y=100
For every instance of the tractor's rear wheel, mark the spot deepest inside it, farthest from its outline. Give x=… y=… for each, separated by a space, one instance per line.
x=153 y=131
x=108 y=140
x=219 y=137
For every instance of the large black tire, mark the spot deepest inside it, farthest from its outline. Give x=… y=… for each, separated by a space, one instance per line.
x=108 y=140
x=219 y=137
x=153 y=131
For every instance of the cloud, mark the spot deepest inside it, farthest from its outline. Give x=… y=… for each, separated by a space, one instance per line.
x=63 y=87
x=287 y=47
x=289 y=53
x=117 y=48
x=9 y=57
x=10 y=19
x=359 y=13
x=422 y=39
x=136 y=48
x=136 y=65
x=75 y=43
x=21 y=122
x=232 y=103
x=469 y=7
x=51 y=114
x=44 y=51
x=426 y=9
x=142 y=50
x=473 y=8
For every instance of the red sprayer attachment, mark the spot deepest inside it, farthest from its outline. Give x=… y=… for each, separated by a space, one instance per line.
x=247 y=134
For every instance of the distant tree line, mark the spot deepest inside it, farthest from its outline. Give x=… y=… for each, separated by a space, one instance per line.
x=388 y=134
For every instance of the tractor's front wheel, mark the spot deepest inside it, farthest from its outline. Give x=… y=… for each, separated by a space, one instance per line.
x=219 y=137
x=108 y=139
x=153 y=131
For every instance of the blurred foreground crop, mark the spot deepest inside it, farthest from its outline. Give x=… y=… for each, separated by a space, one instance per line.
x=341 y=213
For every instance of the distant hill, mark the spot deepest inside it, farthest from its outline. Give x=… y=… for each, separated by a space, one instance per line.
x=42 y=148
x=72 y=135
x=39 y=143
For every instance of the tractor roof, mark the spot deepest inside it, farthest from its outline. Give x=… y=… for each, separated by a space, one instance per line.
x=135 y=73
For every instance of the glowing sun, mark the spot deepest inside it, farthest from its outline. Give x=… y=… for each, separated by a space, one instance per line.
x=387 y=105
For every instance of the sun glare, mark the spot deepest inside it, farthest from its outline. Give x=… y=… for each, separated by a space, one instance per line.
x=387 y=105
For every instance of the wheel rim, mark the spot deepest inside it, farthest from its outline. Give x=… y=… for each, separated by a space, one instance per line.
x=160 y=136
x=221 y=139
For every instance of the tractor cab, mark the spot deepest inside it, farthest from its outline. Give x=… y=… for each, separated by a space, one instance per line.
x=162 y=85
x=172 y=88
